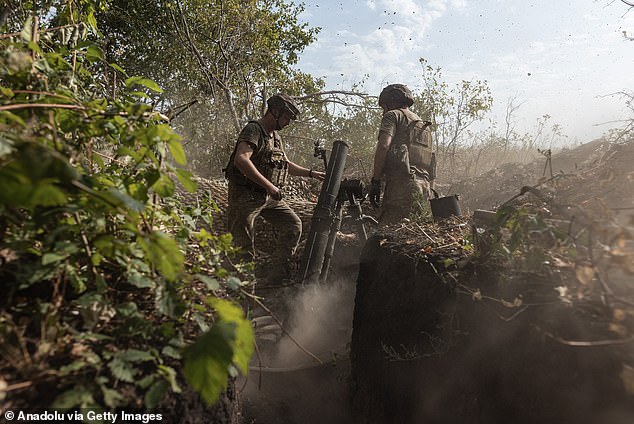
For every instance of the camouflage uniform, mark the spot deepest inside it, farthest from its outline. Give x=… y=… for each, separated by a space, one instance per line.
x=248 y=200
x=405 y=191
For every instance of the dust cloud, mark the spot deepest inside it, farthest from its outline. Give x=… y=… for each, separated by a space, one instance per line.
x=288 y=385
x=320 y=320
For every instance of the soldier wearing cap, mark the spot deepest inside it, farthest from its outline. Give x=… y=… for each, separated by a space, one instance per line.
x=403 y=157
x=257 y=171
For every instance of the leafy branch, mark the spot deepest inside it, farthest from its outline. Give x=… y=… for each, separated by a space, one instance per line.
x=94 y=245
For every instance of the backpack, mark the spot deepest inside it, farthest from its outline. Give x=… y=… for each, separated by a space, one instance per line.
x=419 y=146
x=415 y=155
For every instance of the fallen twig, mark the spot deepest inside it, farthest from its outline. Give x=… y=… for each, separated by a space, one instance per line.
x=279 y=322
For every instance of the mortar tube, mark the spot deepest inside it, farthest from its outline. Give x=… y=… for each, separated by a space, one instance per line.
x=324 y=214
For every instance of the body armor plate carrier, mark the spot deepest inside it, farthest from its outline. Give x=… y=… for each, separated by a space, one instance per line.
x=269 y=160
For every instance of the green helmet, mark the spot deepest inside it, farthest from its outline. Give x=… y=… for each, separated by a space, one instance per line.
x=397 y=94
x=283 y=102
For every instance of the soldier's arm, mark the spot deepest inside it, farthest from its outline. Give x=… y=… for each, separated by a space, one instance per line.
x=386 y=133
x=300 y=171
x=380 y=154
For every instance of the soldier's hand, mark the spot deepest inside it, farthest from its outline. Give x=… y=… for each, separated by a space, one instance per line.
x=274 y=192
x=318 y=174
x=375 y=192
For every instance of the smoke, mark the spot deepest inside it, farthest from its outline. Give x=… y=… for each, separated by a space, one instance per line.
x=287 y=384
x=320 y=321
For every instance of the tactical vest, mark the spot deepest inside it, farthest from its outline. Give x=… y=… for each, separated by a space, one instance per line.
x=269 y=159
x=414 y=152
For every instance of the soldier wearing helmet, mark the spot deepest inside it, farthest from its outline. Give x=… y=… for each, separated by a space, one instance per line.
x=403 y=158
x=257 y=171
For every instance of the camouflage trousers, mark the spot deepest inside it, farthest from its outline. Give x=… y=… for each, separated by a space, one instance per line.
x=245 y=205
x=405 y=196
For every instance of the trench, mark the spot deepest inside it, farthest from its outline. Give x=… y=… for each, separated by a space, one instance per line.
x=425 y=350
x=401 y=343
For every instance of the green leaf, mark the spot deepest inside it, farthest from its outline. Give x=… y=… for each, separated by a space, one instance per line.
x=140 y=94
x=33 y=46
x=207 y=360
x=94 y=53
x=137 y=155
x=92 y=21
x=44 y=194
x=27 y=30
x=96 y=258
x=164 y=253
x=164 y=186
x=233 y=283
x=244 y=342
x=447 y=262
x=5 y=114
x=118 y=198
x=146 y=381
x=167 y=302
x=148 y=83
x=50 y=258
x=128 y=309
x=78 y=396
x=155 y=394
x=172 y=352
x=135 y=355
x=6 y=92
x=170 y=375
x=118 y=68
x=201 y=321
x=106 y=244
x=112 y=398
x=77 y=280
x=122 y=370
x=139 y=280
x=151 y=176
x=166 y=132
x=34 y=275
x=176 y=149
x=25 y=182
x=211 y=283
x=72 y=368
x=185 y=178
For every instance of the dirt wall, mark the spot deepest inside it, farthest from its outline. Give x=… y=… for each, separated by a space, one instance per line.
x=425 y=350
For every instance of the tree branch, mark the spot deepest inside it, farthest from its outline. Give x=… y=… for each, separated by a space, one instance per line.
x=211 y=78
x=336 y=97
x=331 y=92
x=173 y=112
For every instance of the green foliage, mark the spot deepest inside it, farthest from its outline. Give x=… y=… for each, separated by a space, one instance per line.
x=226 y=55
x=230 y=341
x=525 y=238
x=421 y=209
x=453 y=109
x=98 y=295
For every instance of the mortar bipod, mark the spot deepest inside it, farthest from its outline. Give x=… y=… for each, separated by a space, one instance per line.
x=354 y=192
x=351 y=191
